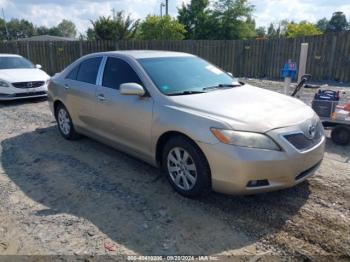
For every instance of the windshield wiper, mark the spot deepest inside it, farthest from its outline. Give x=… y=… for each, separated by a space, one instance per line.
x=191 y=92
x=186 y=93
x=221 y=86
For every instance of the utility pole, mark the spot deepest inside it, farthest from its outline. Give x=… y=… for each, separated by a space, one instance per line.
x=7 y=31
x=161 y=9
x=166 y=7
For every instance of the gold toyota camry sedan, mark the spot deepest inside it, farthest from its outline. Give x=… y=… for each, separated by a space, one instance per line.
x=206 y=130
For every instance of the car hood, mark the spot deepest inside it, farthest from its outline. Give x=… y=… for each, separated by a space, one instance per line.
x=247 y=108
x=23 y=75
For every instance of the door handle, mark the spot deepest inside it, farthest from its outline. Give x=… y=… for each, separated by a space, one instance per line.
x=66 y=86
x=101 y=97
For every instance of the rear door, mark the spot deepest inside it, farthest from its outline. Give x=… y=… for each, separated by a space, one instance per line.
x=125 y=119
x=80 y=85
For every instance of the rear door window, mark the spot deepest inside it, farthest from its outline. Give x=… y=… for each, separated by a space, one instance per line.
x=118 y=72
x=73 y=73
x=88 y=70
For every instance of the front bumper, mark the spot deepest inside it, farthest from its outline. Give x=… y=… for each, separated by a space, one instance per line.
x=12 y=93
x=233 y=168
x=7 y=97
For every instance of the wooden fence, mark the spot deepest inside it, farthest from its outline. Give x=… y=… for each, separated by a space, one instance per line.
x=328 y=56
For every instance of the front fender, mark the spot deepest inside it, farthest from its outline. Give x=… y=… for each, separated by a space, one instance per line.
x=187 y=121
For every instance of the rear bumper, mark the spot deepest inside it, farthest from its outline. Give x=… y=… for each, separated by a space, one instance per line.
x=233 y=168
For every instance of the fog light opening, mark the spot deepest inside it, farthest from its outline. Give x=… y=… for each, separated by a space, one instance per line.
x=258 y=183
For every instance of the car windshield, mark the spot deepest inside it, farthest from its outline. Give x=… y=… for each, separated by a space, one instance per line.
x=185 y=75
x=8 y=62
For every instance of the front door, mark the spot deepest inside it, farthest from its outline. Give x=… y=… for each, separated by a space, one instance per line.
x=125 y=119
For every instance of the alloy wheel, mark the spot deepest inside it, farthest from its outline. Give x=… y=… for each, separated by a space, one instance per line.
x=182 y=168
x=64 y=121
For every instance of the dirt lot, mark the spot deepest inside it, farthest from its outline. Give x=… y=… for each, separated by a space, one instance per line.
x=84 y=198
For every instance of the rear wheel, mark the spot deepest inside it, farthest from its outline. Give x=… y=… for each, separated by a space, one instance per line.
x=65 y=124
x=341 y=135
x=186 y=167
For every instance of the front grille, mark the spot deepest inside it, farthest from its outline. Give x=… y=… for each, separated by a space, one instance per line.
x=30 y=94
x=302 y=142
x=33 y=84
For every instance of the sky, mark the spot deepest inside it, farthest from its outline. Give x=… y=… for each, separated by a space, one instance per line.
x=51 y=12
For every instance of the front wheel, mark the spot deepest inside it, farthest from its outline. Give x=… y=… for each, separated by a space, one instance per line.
x=65 y=124
x=186 y=167
x=341 y=135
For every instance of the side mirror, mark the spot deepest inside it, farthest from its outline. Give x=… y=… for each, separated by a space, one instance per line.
x=132 y=89
x=38 y=66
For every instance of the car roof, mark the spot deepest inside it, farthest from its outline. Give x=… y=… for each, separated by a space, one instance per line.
x=139 y=54
x=9 y=55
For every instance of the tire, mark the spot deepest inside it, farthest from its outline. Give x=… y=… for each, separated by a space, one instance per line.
x=186 y=167
x=65 y=123
x=341 y=135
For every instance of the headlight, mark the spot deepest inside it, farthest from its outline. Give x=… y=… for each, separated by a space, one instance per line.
x=245 y=139
x=4 y=83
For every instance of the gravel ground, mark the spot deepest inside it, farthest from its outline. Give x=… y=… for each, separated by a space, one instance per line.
x=84 y=198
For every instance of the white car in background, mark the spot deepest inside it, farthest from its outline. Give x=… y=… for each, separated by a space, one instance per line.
x=20 y=78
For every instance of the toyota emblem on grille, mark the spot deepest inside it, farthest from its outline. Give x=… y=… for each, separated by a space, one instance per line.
x=311 y=131
x=29 y=84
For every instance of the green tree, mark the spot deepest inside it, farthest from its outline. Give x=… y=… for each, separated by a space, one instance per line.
x=125 y=25
x=260 y=32
x=322 y=24
x=55 y=31
x=42 y=30
x=304 y=28
x=67 y=29
x=159 y=28
x=198 y=19
x=90 y=34
x=103 y=28
x=20 y=28
x=3 y=34
x=271 y=31
x=122 y=27
x=278 y=30
x=338 y=22
x=234 y=19
x=283 y=27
